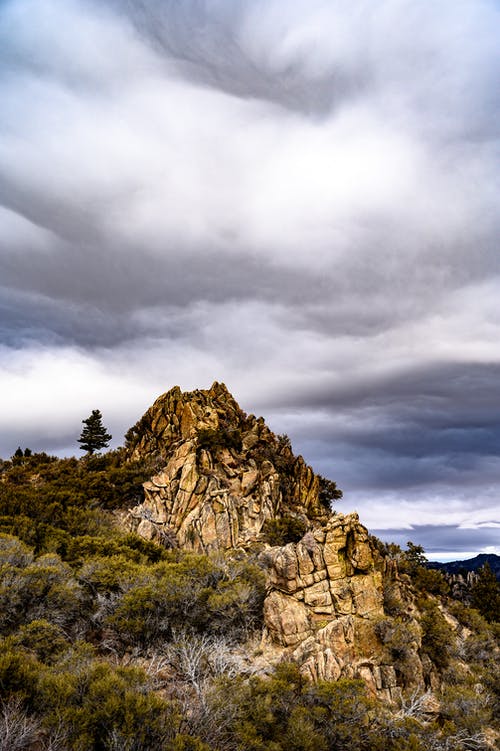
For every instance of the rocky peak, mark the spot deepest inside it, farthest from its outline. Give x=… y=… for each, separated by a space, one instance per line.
x=223 y=473
x=179 y=416
x=226 y=481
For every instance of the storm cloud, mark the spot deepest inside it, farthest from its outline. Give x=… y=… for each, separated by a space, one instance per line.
x=297 y=198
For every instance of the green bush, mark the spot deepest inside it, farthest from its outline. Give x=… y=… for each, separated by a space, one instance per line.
x=284 y=712
x=142 y=604
x=42 y=638
x=283 y=530
x=430 y=580
x=19 y=672
x=438 y=638
x=217 y=439
x=465 y=708
x=328 y=492
x=485 y=594
x=468 y=617
x=48 y=502
x=393 y=604
x=42 y=588
x=400 y=636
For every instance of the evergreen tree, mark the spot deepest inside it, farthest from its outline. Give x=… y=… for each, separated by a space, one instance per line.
x=328 y=492
x=485 y=594
x=94 y=436
x=414 y=557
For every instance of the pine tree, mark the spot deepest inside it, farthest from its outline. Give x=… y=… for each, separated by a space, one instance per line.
x=485 y=594
x=414 y=557
x=94 y=436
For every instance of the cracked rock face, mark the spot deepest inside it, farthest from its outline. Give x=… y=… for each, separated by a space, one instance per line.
x=223 y=475
x=332 y=570
x=325 y=599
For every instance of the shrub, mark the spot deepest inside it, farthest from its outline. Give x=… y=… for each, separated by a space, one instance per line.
x=45 y=640
x=328 y=492
x=438 y=638
x=284 y=712
x=97 y=704
x=18 y=730
x=140 y=605
x=399 y=636
x=465 y=708
x=485 y=594
x=47 y=502
x=19 y=672
x=430 y=580
x=468 y=617
x=43 y=588
x=283 y=530
x=216 y=439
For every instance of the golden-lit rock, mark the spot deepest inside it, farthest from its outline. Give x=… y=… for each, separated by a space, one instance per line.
x=223 y=474
x=223 y=478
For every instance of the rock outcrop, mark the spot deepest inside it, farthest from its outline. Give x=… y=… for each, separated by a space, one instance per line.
x=224 y=473
x=325 y=601
x=331 y=571
x=223 y=478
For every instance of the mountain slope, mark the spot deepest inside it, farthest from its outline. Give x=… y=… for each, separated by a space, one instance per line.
x=108 y=640
x=470 y=564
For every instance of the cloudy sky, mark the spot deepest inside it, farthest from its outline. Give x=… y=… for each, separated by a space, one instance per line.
x=296 y=197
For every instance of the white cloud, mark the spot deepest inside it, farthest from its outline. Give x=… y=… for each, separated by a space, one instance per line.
x=297 y=198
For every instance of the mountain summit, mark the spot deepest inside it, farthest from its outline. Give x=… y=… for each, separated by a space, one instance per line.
x=224 y=475
x=226 y=482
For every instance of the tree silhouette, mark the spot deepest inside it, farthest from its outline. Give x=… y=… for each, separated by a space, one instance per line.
x=94 y=436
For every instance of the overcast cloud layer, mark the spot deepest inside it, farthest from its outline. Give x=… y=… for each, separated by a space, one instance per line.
x=296 y=197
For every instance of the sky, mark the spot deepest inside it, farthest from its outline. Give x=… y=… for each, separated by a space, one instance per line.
x=298 y=198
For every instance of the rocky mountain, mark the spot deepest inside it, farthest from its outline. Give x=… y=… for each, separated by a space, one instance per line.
x=336 y=603
x=223 y=473
x=469 y=565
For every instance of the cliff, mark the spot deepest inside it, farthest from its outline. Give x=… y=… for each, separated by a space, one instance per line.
x=225 y=482
x=224 y=474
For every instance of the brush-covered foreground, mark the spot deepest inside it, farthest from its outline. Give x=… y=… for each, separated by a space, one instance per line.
x=111 y=642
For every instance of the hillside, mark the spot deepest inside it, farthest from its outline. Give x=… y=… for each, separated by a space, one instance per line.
x=197 y=590
x=470 y=564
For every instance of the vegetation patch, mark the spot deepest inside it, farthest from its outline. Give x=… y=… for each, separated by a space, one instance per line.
x=283 y=530
x=217 y=439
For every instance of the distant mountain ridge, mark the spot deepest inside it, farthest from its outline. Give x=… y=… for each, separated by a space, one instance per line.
x=470 y=564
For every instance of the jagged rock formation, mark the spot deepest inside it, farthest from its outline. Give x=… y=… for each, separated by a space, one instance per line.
x=326 y=596
x=461 y=585
x=223 y=476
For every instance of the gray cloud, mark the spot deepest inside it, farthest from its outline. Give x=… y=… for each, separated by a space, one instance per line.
x=219 y=47
x=444 y=539
x=298 y=198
